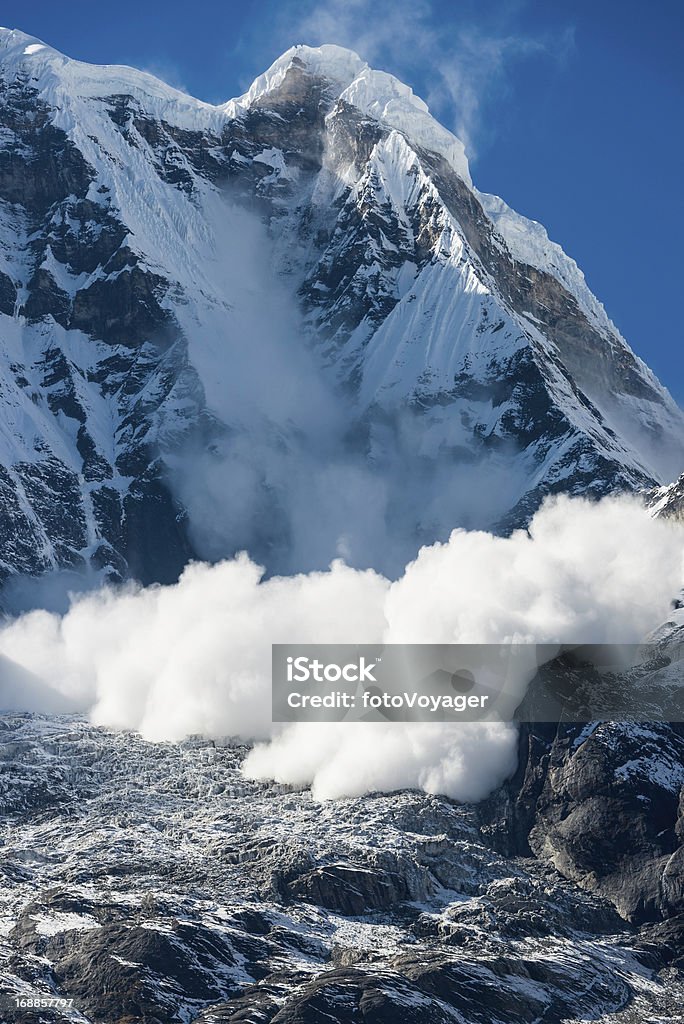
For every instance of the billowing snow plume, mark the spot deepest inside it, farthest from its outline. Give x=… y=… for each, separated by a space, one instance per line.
x=195 y=657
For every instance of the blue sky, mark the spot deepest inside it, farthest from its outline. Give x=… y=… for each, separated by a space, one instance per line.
x=571 y=109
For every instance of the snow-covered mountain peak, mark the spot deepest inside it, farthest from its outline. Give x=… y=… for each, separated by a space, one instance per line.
x=161 y=258
x=336 y=64
x=14 y=40
x=18 y=50
x=63 y=83
x=351 y=81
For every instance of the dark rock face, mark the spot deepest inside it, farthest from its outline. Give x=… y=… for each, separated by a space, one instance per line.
x=8 y=295
x=662 y=943
x=603 y=805
x=357 y=889
x=117 y=970
x=125 y=310
x=41 y=166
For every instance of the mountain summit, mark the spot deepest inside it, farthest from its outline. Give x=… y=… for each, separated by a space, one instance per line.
x=288 y=323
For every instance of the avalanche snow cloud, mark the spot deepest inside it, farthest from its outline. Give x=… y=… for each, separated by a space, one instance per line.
x=195 y=657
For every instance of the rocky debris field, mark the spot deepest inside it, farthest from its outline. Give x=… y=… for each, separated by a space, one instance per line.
x=153 y=882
